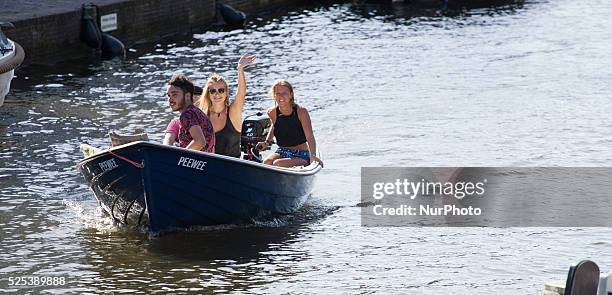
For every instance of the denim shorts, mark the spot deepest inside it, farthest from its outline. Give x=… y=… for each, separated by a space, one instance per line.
x=289 y=153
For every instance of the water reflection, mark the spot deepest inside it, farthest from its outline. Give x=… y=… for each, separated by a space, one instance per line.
x=433 y=8
x=231 y=258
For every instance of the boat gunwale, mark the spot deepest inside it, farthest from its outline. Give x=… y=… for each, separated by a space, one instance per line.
x=290 y=171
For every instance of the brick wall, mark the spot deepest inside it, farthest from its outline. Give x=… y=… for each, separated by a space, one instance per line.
x=52 y=38
x=48 y=36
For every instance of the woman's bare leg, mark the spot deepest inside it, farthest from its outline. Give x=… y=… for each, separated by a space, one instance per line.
x=271 y=158
x=290 y=162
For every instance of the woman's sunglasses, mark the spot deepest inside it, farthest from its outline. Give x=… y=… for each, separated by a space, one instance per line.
x=213 y=90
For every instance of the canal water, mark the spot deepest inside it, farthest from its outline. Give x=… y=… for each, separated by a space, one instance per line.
x=523 y=84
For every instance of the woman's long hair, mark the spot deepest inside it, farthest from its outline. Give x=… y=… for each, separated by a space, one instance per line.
x=205 y=102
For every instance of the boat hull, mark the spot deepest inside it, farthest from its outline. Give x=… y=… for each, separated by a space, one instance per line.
x=8 y=63
x=5 y=84
x=173 y=188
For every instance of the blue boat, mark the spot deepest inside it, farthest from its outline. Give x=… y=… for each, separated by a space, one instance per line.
x=170 y=188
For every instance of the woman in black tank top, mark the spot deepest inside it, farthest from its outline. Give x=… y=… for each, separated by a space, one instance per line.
x=228 y=139
x=292 y=129
x=226 y=116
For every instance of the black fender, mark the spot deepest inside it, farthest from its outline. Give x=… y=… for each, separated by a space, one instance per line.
x=90 y=32
x=231 y=16
x=112 y=47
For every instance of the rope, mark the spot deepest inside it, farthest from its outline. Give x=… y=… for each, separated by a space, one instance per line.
x=137 y=165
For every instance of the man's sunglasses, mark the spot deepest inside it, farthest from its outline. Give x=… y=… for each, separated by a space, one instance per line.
x=213 y=90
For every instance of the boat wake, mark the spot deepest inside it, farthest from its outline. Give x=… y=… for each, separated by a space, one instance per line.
x=307 y=214
x=92 y=216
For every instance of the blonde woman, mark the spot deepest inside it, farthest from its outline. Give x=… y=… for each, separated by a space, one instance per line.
x=226 y=116
x=292 y=129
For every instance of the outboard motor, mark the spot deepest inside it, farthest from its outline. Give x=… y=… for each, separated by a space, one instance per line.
x=253 y=131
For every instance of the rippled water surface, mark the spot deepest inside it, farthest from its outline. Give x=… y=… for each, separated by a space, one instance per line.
x=526 y=84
